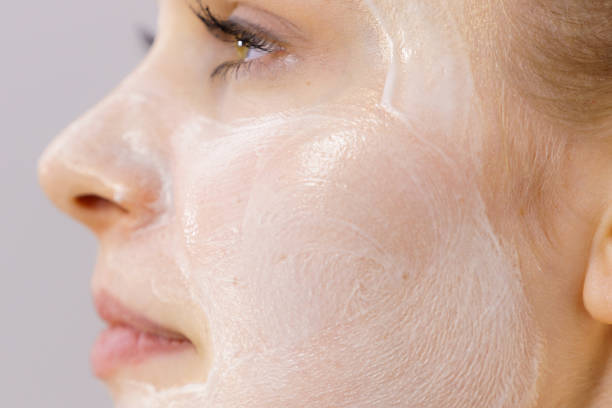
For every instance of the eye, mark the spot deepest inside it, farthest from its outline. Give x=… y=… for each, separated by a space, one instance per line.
x=247 y=53
x=252 y=43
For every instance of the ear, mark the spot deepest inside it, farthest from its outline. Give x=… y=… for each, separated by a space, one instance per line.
x=598 y=281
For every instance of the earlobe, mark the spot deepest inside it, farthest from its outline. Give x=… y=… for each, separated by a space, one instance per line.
x=598 y=281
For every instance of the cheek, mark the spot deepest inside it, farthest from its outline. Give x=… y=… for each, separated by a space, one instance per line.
x=353 y=239
x=338 y=226
x=312 y=229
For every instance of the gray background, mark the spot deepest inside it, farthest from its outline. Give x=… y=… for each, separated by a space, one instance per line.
x=57 y=59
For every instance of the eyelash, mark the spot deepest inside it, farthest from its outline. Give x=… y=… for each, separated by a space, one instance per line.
x=254 y=38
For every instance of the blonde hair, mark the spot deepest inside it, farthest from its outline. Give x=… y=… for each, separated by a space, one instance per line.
x=553 y=58
x=558 y=55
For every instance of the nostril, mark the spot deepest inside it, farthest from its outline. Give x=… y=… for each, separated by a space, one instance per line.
x=97 y=203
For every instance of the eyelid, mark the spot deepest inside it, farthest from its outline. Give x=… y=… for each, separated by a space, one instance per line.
x=232 y=29
x=255 y=28
x=272 y=27
x=283 y=28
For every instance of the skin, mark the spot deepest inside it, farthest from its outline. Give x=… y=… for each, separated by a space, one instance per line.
x=345 y=224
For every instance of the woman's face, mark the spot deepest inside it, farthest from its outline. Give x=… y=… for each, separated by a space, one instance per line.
x=310 y=216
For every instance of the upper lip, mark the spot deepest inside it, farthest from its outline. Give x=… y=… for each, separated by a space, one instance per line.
x=115 y=313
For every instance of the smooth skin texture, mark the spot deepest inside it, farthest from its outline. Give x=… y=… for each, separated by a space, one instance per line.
x=348 y=223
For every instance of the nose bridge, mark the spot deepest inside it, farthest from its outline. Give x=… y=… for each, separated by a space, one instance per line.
x=109 y=166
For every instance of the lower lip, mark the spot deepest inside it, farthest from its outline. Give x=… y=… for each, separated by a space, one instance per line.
x=122 y=346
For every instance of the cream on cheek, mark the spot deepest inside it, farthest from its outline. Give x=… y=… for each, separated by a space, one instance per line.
x=345 y=259
x=342 y=264
x=346 y=265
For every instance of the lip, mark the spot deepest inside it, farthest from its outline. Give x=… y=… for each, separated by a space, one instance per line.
x=130 y=338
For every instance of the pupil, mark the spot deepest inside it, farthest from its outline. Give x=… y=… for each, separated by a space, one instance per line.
x=242 y=48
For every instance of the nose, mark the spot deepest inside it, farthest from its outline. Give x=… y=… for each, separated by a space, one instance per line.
x=105 y=169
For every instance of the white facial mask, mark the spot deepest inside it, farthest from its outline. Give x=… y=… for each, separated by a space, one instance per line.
x=339 y=255
x=321 y=281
